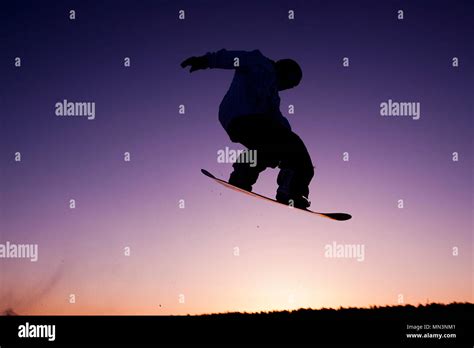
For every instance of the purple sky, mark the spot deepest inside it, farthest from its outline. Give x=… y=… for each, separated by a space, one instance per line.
x=190 y=251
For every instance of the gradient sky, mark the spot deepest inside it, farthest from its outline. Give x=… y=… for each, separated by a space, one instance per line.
x=190 y=251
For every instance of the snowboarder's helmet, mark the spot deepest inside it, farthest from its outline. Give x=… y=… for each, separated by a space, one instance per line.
x=289 y=73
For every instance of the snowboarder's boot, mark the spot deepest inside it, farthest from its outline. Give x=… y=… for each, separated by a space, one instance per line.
x=243 y=176
x=288 y=192
x=295 y=201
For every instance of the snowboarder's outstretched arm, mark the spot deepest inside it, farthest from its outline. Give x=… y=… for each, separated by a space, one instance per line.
x=223 y=59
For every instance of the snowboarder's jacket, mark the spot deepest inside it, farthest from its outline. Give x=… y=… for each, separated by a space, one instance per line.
x=253 y=89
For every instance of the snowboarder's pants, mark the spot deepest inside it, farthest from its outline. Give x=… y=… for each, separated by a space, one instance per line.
x=276 y=145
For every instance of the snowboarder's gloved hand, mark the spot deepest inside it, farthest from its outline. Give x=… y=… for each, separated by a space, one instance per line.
x=196 y=63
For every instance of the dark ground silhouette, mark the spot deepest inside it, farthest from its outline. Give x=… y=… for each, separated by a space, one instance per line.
x=386 y=312
x=374 y=325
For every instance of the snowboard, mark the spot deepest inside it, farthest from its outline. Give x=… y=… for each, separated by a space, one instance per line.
x=332 y=216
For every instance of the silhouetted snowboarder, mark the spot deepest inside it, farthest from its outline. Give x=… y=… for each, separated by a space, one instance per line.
x=250 y=114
